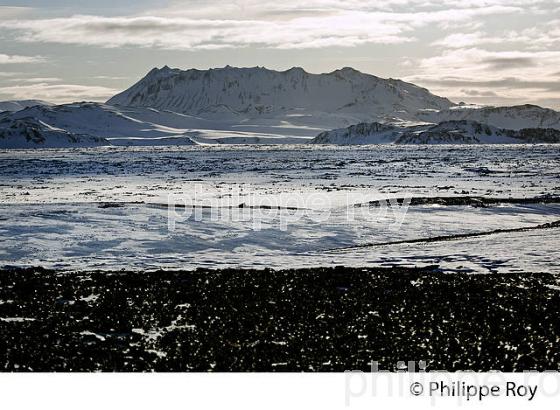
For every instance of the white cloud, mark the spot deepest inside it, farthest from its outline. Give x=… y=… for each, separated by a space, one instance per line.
x=15 y=59
x=346 y=29
x=251 y=8
x=479 y=63
x=462 y=40
x=514 y=76
x=57 y=93
x=36 y=80
x=542 y=37
x=270 y=24
x=110 y=77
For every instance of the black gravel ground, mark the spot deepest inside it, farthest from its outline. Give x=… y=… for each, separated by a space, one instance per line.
x=324 y=319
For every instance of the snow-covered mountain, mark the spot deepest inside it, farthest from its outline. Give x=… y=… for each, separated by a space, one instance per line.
x=102 y=120
x=28 y=132
x=249 y=93
x=447 y=132
x=148 y=126
x=82 y=124
x=18 y=105
x=515 y=117
x=362 y=133
x=300 y=100
x=259 y=106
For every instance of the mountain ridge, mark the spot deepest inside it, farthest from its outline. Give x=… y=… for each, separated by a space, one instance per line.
x=255 y=92
x=17 y=105
x=255 y=105
x=446 y=132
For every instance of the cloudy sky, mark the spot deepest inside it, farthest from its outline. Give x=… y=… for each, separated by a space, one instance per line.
x=498 y=52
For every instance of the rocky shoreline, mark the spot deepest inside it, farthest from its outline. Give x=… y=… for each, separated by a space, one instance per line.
x=321 y=319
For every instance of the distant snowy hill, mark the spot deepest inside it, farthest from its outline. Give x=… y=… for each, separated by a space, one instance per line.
x=13 y=106
x=82 y=124
x=363 y=133
x=249 y=93
x=102 y=120
x=515 y=117
x=148 y=126
x=447 y=132
x=29 y=132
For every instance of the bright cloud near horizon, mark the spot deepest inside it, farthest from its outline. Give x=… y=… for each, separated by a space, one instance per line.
x=494 y=52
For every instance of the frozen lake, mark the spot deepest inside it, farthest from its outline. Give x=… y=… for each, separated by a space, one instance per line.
x=107 y=208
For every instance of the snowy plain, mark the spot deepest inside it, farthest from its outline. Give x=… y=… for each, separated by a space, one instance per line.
x=107 y=207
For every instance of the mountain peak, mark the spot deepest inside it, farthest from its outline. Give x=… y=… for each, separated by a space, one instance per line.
x=296 y=70
x=349 y=70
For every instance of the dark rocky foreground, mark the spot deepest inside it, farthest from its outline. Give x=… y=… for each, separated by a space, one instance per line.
x=294 y=320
